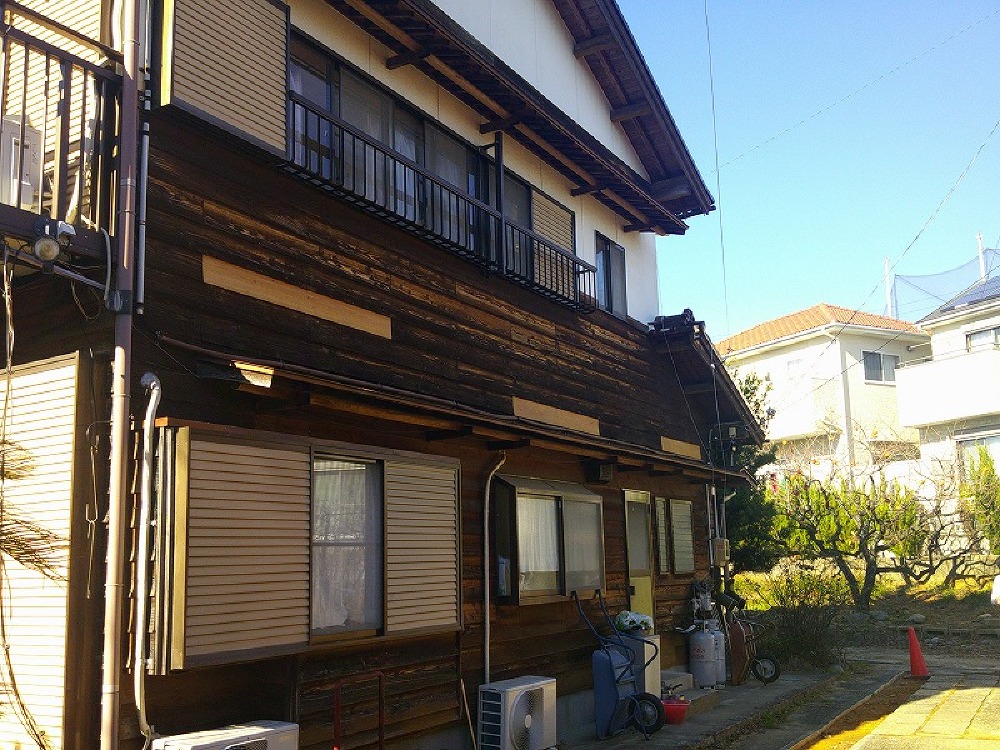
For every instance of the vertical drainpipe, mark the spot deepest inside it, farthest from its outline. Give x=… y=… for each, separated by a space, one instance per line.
x=501 y=459
x=848 y=421
x=121 y=376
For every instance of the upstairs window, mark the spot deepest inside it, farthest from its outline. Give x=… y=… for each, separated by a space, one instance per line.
x=611 y=277
x=880 y=367
x=980 y=340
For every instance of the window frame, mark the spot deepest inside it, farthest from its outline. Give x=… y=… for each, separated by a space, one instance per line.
x=682 y=510
x=886 y=377
x=611 y=290
x=333 y=633
x=480 y=171
x=507 y=541
x=994 y=344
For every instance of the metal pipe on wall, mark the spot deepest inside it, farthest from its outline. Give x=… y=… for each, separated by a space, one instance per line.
x=152 y=384
x=501 y=459
x=121 y=378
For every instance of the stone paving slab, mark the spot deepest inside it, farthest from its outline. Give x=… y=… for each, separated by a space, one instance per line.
x=952 y=711
x=970 y=686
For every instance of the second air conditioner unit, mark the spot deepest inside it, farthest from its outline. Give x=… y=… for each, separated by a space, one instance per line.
x=518 y=714
x=20 y=164
x=254 y=735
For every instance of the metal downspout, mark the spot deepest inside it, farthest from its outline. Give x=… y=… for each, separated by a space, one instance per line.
x=121 y=375
x=152 y=384
x=501 y=459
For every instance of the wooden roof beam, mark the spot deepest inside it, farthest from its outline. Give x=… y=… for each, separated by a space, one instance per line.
x=408 y=58
x=507 y=445
x=594 y=44
x=631 y=111
x=433 y=435
x=672 y=189
x=639 y=228
x=505 y=124
x=587 y=190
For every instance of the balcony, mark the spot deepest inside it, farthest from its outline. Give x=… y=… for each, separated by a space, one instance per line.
x=949 y=389
x=59 y=113
x=348 y=163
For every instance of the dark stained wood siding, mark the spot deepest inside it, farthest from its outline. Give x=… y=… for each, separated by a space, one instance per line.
x=456 y=335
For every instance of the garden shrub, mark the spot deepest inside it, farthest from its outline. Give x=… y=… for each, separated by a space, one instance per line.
x=801 y=601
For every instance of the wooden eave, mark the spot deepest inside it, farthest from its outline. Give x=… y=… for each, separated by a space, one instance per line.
x=704 y=379
x=420 y=34
x=445 y=419
x=603 y=39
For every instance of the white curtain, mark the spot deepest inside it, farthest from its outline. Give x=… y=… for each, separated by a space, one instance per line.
x=538 y=543
x=347 y=545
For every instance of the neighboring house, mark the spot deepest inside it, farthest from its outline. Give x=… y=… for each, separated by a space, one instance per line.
x=395 y=272
x=833 y=386
x=950 y=394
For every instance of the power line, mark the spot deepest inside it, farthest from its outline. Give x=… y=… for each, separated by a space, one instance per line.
x=913 y=242
x=853 y=93
x=718 y=170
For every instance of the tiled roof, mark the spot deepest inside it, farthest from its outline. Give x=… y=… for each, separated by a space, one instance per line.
x=813 y=317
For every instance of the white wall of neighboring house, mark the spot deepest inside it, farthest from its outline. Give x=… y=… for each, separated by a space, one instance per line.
x=952 y=394
x=825 y=411
x=804 y=392
x=874 y=403
x=514 y=31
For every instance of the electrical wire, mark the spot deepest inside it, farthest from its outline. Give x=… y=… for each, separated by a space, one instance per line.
x=916 y=238
x=855 y=92
x=718 y=170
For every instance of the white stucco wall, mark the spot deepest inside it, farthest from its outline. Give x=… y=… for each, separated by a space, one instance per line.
x=548 y=34
x=874 y=409
x=531 y=38
x=804 y=386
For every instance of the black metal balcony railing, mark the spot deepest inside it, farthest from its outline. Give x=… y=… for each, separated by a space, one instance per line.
x=59 y=119
x=343 y=160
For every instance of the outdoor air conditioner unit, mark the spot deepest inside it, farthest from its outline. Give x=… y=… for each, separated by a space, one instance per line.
x=254 y=735
x=20 y=164
x=518 y=714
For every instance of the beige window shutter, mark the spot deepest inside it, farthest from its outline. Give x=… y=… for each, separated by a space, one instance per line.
x=246 y=567
x=421 y=547
x=683 y=536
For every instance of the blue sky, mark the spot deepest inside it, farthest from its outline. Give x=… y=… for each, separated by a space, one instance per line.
x=810 y=216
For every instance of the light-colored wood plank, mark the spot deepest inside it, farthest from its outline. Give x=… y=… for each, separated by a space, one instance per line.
x=242 y=281
x=554 y=416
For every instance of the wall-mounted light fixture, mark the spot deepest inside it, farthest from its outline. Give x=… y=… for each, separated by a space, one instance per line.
x=51 y=238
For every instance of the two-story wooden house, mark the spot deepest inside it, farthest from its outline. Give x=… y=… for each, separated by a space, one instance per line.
x=394 y=272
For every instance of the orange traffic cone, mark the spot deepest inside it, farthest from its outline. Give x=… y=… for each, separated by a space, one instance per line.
x=918 y=669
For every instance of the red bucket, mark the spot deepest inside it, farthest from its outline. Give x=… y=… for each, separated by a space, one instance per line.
x=676 y=710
